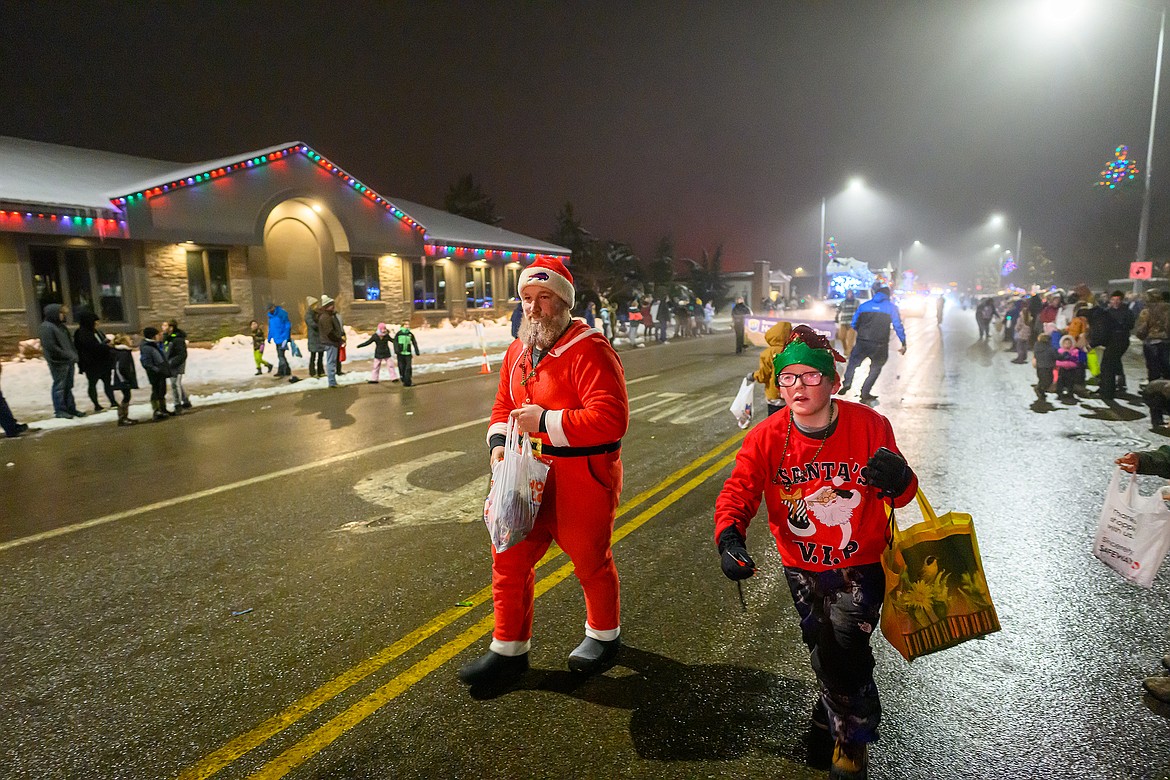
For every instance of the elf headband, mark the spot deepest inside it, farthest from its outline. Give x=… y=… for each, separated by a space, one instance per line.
x=799 y=353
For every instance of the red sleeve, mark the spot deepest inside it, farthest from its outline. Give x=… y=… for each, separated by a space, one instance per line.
x=740 y=497
x=911 y=490
x=504 y=403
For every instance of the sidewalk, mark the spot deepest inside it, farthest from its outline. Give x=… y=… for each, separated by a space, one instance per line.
x=225 y=372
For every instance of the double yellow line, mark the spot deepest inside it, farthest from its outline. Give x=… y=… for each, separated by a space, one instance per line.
x=324 y=735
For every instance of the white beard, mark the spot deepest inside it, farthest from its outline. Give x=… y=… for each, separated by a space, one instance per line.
x=542 y=333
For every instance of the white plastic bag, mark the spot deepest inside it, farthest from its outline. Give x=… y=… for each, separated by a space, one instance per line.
x=516 y=491
x=1133 y=533
x=741 y=407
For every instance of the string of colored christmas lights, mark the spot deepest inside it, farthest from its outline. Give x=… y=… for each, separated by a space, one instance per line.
x=479 y=253
x=1009 y=265
x=264 y=159
x=831 y=249
x=1119 y=170
x=64 y=219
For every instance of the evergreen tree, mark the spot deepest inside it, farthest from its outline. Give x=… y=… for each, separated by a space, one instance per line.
x=1040 y=269
x=706 y=278
x=466 y=199
x=661 y=271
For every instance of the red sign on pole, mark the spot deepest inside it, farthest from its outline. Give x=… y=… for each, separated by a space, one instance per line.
x=1141 y=270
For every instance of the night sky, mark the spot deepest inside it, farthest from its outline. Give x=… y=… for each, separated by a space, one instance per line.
x=717 y=123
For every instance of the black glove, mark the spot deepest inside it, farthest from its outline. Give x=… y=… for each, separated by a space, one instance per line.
x=887 y=471
x=734 y=558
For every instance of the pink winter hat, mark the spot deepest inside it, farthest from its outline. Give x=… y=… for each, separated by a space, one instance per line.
x=550 y=273
x=381 y=327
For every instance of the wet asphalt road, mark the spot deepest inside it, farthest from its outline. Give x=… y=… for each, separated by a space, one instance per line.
x=300 y=616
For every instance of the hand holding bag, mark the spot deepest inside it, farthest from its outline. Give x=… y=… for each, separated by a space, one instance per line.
x=741 y=407
x=1133 y=533
x=516 y=492
x=936 y=594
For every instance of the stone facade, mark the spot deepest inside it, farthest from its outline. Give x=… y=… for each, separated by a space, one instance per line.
x=167 y=295
x=13 y=330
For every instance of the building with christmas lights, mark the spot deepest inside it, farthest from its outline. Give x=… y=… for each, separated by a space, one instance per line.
x=138 y=240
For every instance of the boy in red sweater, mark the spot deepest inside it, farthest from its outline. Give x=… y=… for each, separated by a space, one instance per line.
x=826 y=470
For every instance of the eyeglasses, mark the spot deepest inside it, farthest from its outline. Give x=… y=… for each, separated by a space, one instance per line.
x=808 y=379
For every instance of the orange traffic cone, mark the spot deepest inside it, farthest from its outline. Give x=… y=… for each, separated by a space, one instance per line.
x=485 y=368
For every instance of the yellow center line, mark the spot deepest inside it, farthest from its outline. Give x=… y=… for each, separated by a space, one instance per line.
x=326 y=734
x=272 y=726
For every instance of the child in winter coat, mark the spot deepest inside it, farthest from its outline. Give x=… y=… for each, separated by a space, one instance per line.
x=154 y=360
x=258 y=342
x=383 y=352
x=175 y=348
x=125 y=376
x=404 y=342
x=1023 y=335
x=1044 y=359
x=777 y=338
x=1070 y=359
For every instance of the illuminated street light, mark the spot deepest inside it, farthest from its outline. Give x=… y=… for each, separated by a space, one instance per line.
x=856 y=184
x=901 y=269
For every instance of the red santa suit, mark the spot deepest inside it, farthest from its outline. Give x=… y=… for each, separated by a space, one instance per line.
x=821 y=513
x=581 y=385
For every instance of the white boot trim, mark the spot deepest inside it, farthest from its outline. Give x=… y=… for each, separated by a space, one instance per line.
x=510 y=648
x=602 y=636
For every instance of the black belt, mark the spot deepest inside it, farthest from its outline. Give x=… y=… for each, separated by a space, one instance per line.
x=539 y=448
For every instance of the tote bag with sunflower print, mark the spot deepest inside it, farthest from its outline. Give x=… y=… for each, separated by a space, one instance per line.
x=936 y=594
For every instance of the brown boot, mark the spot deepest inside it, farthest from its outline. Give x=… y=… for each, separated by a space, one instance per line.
x=849 y=762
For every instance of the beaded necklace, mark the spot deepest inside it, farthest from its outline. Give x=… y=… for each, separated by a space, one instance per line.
x=530 y=373
x=788 y=437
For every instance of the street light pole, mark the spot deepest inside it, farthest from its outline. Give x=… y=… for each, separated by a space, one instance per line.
x=1144 y=228
x=821 y=255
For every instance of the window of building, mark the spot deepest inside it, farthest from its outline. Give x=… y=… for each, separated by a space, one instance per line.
x=430 y=286
x=478 y=287
x=207 y=276
x=86 y=279
x=366 y=284
x=512 y=279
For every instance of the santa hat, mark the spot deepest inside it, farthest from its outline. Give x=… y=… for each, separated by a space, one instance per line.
x=550 y=273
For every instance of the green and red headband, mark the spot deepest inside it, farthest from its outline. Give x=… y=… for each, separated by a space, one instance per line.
x=806 y=347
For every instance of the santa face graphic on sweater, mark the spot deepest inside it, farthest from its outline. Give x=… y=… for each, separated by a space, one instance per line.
x=831 y=506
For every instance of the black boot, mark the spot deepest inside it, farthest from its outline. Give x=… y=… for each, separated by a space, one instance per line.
x=593 y=655
x=491 y=667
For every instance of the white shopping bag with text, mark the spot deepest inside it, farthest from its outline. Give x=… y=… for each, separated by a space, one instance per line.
x=741 y=407
x=1133 y=533
x=516 y=492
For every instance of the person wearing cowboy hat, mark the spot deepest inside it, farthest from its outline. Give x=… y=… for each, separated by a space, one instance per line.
x=332 y=337
x=562 y=383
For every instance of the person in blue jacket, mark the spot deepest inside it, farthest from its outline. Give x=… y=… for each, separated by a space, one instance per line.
x=872 y=321
x=279 y=332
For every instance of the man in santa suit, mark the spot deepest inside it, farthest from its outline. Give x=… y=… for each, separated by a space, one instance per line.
x=563 y=384
x=826 y=470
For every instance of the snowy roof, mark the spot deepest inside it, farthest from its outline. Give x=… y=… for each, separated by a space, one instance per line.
x=185 y=170
x=56 y=175
x=446 y=228
x=47 y=174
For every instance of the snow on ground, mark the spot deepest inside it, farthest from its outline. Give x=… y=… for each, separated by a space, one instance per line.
x=214 y=373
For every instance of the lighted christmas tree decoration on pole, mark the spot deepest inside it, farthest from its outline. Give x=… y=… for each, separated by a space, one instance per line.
x=1119 y=171
x=1009 y=264
x=831 y=249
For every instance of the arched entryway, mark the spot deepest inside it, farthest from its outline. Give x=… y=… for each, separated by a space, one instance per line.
x=301 y=242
